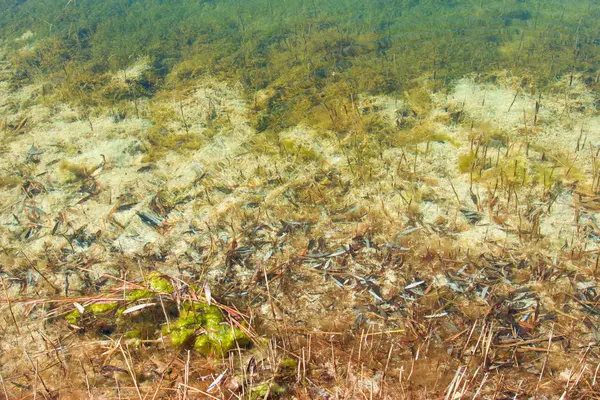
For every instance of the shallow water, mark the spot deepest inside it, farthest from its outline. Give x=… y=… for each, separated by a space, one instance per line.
x=403 y=180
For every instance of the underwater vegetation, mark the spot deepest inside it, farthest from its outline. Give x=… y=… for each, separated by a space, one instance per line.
x=139 y=318
x=301 y=61
x=308 y=199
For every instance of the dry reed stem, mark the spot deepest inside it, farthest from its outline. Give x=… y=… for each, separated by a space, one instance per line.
x=129 y=363
x=10 y=306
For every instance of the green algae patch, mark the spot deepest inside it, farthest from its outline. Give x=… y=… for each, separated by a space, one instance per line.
x=203 y=327
x=192 y=325
x=203 y=345
x=182 y=337
x=288 y=366
x=75 y=172
x=138 y=294
x=134 y=334
x=73 y=317
x=159 y=283
x=226 y=338
x=465 y=162
x=9 y=182
x=272 y=388
x=102 y=308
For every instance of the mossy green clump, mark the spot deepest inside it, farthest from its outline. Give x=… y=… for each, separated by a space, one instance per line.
x=203 y=327
x=303 y=151
x=272 y=388
x=199 y=326
x=419 y=100
x=182 y=337
x=159 y=283
x=465 y=162
x=545 y=175
x=138 y=294
x=161 y=140
x=102 y=308
x=307 y=154
x=226 y=338
x=73 y=317
x=76 y=172
x=203 y=345
x=134 y=338
x=424 y=133
x=134 y=334
x=288 y=364
x=512 y=170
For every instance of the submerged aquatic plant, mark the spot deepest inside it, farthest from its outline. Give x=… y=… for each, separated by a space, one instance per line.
x=191 y=325
x=202 y=327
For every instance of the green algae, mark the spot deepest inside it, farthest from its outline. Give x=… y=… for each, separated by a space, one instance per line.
x=203 y=327
x=159 y=283
x=274 y=389
x=288 y=365
x=138 y=294
x=134 y=334
x=156 y=283
x=73 y=317
x=226 y=338
x=465 y=162
x=203 y=345
x=74 y=171
x=182 y=337
x=198 y=326
x=102 y=308
x=9 y=182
